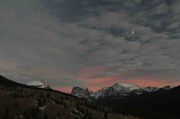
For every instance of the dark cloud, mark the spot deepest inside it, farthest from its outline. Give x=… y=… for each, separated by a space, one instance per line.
x=54 y=40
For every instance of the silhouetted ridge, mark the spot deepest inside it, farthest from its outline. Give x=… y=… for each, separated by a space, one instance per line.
x=6 y=82
x=9 y=83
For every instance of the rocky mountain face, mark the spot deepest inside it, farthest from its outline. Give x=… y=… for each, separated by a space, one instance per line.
x=81 y=92
x=117 y=90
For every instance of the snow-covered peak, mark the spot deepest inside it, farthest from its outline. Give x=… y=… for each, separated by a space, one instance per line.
x=118 y=89
x=120 y=86
x=153 y=89
x=38 y=84
x=150 y=89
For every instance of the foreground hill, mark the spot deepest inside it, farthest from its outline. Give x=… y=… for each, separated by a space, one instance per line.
x=18 y=101
x=6 y=82
x=161 y=104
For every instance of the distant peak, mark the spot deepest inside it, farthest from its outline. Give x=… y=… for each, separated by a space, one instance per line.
x=125 y=84
x=167 y=87
x=81 y=92
x=81 y=88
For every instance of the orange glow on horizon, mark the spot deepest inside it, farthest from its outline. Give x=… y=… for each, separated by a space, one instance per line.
x=98 y=83
x=93 y=81
x=64 y=89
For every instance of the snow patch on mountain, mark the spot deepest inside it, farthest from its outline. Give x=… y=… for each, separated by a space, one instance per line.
x=39 y=84
x=150 y=89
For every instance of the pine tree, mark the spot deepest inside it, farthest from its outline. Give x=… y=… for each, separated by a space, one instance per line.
x=45 y=116
x=6 y=114
x=105 y=115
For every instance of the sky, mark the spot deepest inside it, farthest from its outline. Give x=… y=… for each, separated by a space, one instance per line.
x=90 y=43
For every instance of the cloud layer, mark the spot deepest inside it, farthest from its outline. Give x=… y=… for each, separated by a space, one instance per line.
x=76 y=43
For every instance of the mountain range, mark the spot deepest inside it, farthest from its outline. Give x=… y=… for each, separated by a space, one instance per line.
x=119 y=90
x=119 y=101
x=21 y=101
x=145 y=102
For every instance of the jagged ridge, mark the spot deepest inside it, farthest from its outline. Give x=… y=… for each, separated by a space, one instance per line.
x=118 y=89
